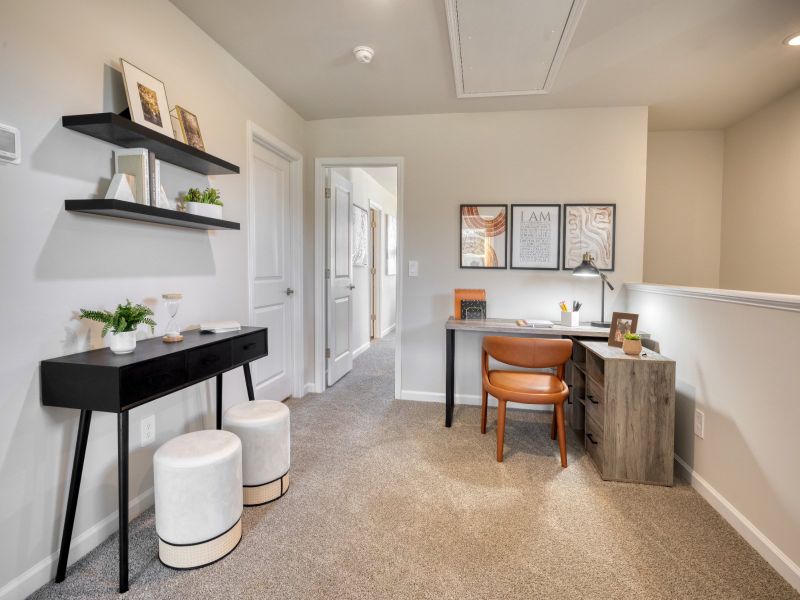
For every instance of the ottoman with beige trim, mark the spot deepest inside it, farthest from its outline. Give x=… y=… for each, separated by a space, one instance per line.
x=263 y=427
x=198 y=496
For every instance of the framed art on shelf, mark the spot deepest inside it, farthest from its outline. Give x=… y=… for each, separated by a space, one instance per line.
x=590 y=228
x=621 y=323
x=147 y=99
x=391 y=245
x=483 y=236
x=535 y=236
x=190 y=128
x=360 y=236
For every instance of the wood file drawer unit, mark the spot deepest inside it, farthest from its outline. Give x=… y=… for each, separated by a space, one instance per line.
x=625 y=407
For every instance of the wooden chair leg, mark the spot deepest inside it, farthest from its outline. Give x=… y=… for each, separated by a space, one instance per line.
x=501 y=427
x=484 y=403
x=562 y=434
x=553 y=424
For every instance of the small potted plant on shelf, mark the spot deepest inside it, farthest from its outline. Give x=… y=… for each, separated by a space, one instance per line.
x=122 y=324
x=632 y=344
x=204 y=204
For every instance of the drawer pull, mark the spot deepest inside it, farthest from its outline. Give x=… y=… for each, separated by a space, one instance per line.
x=210 y=360
x=159 y=378
x=248 y=346
x=590 y=438
x=591 y=399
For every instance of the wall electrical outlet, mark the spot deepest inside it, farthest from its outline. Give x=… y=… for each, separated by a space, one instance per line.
x=700 y=424
x=148 y=430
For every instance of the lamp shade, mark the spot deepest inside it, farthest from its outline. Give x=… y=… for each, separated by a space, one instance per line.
x=587 y=267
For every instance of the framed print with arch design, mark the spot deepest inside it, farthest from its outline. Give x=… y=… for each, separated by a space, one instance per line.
x=483 y=236
x=590 y=228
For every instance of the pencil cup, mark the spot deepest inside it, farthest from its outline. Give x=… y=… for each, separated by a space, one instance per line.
x=570 y=318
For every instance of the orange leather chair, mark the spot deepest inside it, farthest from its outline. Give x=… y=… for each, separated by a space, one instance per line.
x=526 y=387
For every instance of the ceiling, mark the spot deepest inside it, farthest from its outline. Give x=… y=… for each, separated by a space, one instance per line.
x=696 y=63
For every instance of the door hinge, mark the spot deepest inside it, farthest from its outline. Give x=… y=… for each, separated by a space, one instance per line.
x=327 y=352
x=374 y=272
x=327 y=273
x=327 y=193
x=372 y=317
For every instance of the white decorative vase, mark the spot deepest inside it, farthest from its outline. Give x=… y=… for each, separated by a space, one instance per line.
x=123 y=343
x=212 y=211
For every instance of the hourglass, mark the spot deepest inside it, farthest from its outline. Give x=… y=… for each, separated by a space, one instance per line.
x=173 y=303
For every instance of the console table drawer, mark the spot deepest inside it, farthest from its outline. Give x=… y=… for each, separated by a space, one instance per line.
x=249 y=347
x=209 y=360
x=595 y=400
x=593 y=440
x=152 y=378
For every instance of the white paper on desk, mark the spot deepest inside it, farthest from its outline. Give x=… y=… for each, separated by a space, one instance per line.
x=221 y=326
x=541 y=323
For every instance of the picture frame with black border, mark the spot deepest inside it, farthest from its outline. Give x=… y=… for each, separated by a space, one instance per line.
x=514 y=243
x=498 y=229
x=571 y=259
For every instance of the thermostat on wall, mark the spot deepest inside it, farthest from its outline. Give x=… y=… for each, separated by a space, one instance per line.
x=10 y=149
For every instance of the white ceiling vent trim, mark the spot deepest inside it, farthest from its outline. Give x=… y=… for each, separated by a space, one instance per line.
x=514 y=55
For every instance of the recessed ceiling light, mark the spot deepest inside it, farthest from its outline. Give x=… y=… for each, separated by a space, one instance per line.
x=792 y=40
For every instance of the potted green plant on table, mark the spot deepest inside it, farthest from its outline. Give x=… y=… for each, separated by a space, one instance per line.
x=122 y=324
x=632 y=344
x=204 y=204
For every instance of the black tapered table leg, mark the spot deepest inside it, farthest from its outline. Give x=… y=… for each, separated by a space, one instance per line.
x=219 y=401
x=449 y=391
x=74 y=488
x=122 y=488
x=248 y=379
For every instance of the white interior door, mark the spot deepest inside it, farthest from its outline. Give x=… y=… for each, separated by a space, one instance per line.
x=339 y=273
x=272 y=293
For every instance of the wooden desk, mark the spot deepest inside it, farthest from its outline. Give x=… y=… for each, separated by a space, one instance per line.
x=102 y=381
x=501 y=326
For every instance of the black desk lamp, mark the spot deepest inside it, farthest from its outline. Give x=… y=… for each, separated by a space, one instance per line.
x=587 y=268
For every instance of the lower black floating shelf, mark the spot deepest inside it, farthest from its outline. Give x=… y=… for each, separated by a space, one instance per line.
x=122 y=209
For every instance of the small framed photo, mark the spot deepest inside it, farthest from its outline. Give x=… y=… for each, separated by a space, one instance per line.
x=483 y=236
x=590 y=228
x=535 y=236
x=621 y=323
x=147 y=99
x=190 y=128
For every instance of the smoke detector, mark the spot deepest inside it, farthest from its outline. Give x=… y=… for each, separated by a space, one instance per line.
x=363 y=54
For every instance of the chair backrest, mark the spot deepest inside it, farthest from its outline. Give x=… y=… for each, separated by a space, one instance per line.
x=530 y=353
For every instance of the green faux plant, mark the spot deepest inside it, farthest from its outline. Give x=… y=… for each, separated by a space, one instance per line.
x=632 y=336
x=207 y=196
x=126 y=318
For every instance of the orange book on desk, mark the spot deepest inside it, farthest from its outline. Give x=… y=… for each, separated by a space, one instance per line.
x=466 y=295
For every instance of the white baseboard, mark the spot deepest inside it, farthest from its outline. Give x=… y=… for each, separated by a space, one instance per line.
x=468 y=399
x=308 y=388
x=785 y=566
x=44 y=571
x=388 y=330
x=360 y=350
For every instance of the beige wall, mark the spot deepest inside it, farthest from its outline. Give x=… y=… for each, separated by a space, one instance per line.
x=551 y=156
x=684 y=207
x=761 y=208
x=59 y=58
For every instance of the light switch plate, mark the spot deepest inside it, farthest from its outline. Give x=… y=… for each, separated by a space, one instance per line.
x=413 y=268
x=148 y=430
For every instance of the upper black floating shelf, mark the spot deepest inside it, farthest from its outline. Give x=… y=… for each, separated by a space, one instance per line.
x=124 y=132
x=141 y=212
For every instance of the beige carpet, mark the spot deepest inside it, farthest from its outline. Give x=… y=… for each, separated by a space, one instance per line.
x=387 y=503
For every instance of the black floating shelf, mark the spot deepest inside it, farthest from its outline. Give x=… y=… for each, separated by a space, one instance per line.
x=122 y=209
x=124 y=132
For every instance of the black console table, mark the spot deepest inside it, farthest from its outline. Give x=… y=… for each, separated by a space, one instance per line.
x=101 y=381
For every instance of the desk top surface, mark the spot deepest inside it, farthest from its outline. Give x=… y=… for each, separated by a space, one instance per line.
x=606 y=352
x=150 y=348
x=510 y=326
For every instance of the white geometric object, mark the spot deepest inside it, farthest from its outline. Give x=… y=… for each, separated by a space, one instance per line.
x=121 y=188
x=263 y=427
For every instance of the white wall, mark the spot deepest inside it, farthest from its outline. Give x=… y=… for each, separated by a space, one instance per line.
x=54 y=61
x=585 y=155
x=683 y=213
x=737 y=364
x=760 y=211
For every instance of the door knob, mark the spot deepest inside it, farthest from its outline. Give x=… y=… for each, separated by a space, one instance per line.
x=289 y=291
x=351 y=286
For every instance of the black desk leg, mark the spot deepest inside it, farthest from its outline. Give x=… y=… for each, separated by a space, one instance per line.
x=219 y=401
x=248 y=379
x=449 y=391
x=122 y=488
x=74 y=488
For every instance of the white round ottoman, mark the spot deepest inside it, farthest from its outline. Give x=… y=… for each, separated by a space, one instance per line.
x=198 y=496
x=263 y=427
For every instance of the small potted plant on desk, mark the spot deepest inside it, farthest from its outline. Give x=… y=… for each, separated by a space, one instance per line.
x=632 y=344
x=122 y=324
x=203 y=204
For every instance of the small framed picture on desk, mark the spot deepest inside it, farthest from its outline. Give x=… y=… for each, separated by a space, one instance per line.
x=621 y=323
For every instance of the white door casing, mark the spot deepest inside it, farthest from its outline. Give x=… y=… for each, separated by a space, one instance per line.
x=339 y=278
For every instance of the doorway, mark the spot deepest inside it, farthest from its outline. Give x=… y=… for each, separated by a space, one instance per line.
x=358 y=203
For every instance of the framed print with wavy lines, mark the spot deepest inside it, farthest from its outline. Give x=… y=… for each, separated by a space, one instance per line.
x=483 y=236
x=590 y=228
